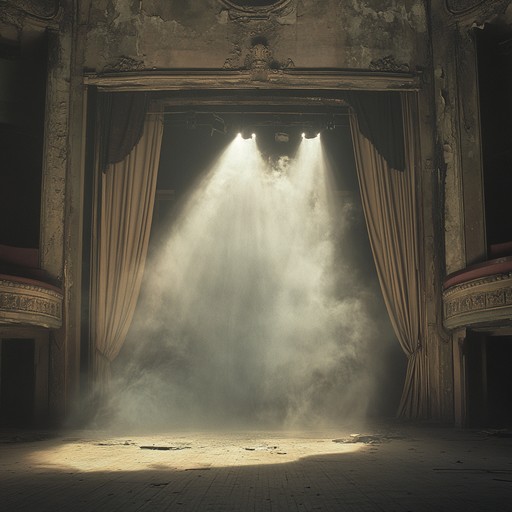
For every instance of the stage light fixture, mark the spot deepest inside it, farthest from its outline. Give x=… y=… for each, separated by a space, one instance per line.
x=310 y=134
x=247 y=133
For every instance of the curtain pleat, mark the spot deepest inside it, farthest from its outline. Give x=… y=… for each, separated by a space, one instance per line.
x=390 y=208
x=380 y=120
x=123 y=224
x=122 y=117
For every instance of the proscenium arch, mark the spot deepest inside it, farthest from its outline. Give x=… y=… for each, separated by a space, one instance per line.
x=196 y=84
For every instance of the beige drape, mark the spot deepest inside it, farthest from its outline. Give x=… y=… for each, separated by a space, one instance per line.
x=125 y=200
x=390 y=206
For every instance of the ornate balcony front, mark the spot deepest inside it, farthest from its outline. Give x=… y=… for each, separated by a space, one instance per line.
x=28 y=302
x=480 y=296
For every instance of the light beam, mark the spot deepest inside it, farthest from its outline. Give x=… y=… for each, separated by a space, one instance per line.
x=241 y=321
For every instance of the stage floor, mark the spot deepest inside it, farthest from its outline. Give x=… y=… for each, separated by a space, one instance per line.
x=392 y=468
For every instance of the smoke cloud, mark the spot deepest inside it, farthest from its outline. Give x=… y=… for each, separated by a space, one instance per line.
x=251 y=315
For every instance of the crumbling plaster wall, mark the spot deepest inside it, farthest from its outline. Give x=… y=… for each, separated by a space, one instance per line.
x=61 y=194
x=172 y=34
x=460 y=187
x=458 y=122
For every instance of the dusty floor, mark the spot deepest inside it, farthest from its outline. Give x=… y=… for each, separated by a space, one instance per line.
x=383 y=469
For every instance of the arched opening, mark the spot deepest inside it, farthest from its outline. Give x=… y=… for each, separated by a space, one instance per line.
x=263 y=303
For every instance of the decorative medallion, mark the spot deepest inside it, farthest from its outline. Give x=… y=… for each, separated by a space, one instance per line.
x=260 y=61
x=259 y=57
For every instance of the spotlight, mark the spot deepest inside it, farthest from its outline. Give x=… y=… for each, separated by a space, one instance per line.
x=281 y=137
x=247 y=133
x=309 y=134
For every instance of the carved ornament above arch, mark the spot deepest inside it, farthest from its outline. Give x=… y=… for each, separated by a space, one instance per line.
x=258 y=9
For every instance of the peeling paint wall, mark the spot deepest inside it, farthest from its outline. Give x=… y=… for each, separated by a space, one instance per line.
x=152 y=34
x=60 y=193
x=458 y=123
x=461 y=214
x=145 y=35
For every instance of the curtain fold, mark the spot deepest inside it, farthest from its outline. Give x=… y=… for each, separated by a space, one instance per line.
x=380 y=120
x=126 y=196
x=122 y=117
x=390 y=207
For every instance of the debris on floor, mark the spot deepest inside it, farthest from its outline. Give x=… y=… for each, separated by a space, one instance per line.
x=116 y=443
x=165 y=448
x=368 y=438
x=264 y=447
x=502 y=432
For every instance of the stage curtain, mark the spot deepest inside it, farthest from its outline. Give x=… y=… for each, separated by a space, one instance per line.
x=121 y=122
x=125 y=200
x=380 y=120
x=390 y=206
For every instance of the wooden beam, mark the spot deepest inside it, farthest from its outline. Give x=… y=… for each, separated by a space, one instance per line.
x=246 y=80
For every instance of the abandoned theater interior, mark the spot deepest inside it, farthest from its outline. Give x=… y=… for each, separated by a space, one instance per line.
x=236 y=214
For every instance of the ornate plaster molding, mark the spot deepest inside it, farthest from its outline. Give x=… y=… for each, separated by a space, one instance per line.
x=259 y=57
x=462 y=6
x=389 y=64
x=240 y=79
x=260 y=62
x=241 y=10
x=29 y=305
x=124 y=64
x=475 y=12
x=42 y=10
x=480 y=302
